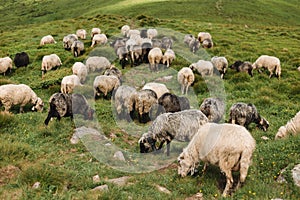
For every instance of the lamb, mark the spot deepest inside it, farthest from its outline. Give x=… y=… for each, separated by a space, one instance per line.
x=291 y=127
x=99 y=39
x=151 y=33
x=125 y=30
x=80 y=70
x=241 y=66
x=48 y=39
x=19 y=94
x=104 y=84
x=49 y=62
x=97 y=63
x=95 y=31
x=168 y=126
x=77 y=48
x=168 y=57
x=185 y=78
x=5 y=65
x=172 y=103
x=68 y=40
x=66 y=105
x=213 y=108
x=81 y=33
x=203 y=67
x=272 y=63
x=221 y=64
x=228 y=146
x=158 y=88
x=243 y=114
x=21 y=59
x=69 y=83
x=155 y=56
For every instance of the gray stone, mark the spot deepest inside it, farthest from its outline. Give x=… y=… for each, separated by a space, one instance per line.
x=119 y=155
x=119 y=181
x=296 y=175
x=101 y=188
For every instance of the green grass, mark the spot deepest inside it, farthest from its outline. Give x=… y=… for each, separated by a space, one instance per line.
x=240 y=29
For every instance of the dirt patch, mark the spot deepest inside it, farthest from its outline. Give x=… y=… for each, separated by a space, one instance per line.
x=7 y=173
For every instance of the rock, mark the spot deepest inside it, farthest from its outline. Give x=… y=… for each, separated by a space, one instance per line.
x=296 y=175
x=163 y=189
x=280 y=178
x=198 y=196
x=119 y=181
x=119 y=155
x=83 y=131
x=96 y=179
x=36 y=185
x=265 y=138
x=101 y=188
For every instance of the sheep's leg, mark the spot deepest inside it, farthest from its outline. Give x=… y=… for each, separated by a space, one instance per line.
x=168 y=148
x=229 y=182
x=271 y=74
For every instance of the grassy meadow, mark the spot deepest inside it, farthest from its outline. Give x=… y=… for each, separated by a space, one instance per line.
x=241 y=30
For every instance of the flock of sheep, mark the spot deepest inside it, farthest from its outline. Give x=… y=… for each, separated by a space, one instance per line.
x=228 y=145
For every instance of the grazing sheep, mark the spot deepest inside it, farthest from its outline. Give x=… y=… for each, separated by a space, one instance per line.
x=225 y=145
x=155 y=56
x=136 y=55
x=95 y=31
x=48 y=39
x=166 y=43
x=77 y=48
x=172 y=103
x=19 y=94
x=123 y=55
x=134 y=33
x=113 y=71
x=68 y=40
x=188 y=38
x=143 y=33
x=146 y=47
x=156 y=43
x=158 y=88
x=292 y=127
x=168 y=126
x=243 y=114
x=97 y=63
x=185 y=78
x=151 y=33
x=66 y=105
x=80 y=70
x=241 y=66
x=21 y=59
x=213 y=108
x=5 y=65
x=221 y=64
x=194 y=45
x=117 y=43
x=49 y=62
x=99 y=39
x=204 y=36
x=270 y=62
x=168 y=57
x=203 y=67
x=207 y=43
x=125 y=30
x=105 y=84
x=81 y=33
x=68 y=83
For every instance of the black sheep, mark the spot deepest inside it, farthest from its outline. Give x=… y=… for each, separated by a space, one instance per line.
x=21 y=59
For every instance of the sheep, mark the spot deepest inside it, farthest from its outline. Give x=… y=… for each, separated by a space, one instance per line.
x=168 y=57
x=156 y=43
x=155 y=56
x=5 y=65
x=95 y=31
x=203 y=67
x=168 y=126
x=77 y=48
x=241 y=66
x=172 y=103
x=21 y=59
x=158 y=88
x=136 y=55
x=151 y=33
x=124 y=30
x=204 y=36
x=68 y=40
x=146 y=47
x=272 y=63
x=123 y=55
x=243 y=114
x=188 y=38
x=213 y=108
x=81 y=33
x=133 y=33
x=97 y=63
x=228 y=146
x=291 y=127
x=66 y=105
x=185 y=78
x=192 y=42
x=69 y=83
x=113 y=71
x=19 y=94
x=80 y=70
x=117 y=43
x=166 y=43
x=143 y=33
x=207 y=43
x=99 y=39
x=121 y=101
x=105 y=84
x=221 y=64
x=49 y=62
x=48 y=39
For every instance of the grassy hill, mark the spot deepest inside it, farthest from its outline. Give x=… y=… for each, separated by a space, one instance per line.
x=241 y=30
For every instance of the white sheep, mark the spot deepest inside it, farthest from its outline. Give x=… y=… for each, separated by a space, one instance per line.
x=155 y=56
x=168 y=57
x=5 y=65
x=68 y=40
x=204 y=36
x=228 y=146
x=80 y=70
x=69 y=83
x=292 y=127
x=207 y=43
x=188 y=38
x=185 y=78
x=19 y=94
x=99 y=39
x=203 y=67
x=77 y=48
x=134 y=33
x=97 y=63
x=95 y=31
x=151 y=33
x=221 y=64
x=81 y=33
x=158 y=88
x=49 y=62
x=272 y=63
x=180 y=125
x=48 y=39
x=124 y=30
x=105 y=84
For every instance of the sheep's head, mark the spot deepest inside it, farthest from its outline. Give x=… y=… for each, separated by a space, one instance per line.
x=282 y=132
x=146 y=144
x=185 y=164
x=263 y=124
x=38 y=105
